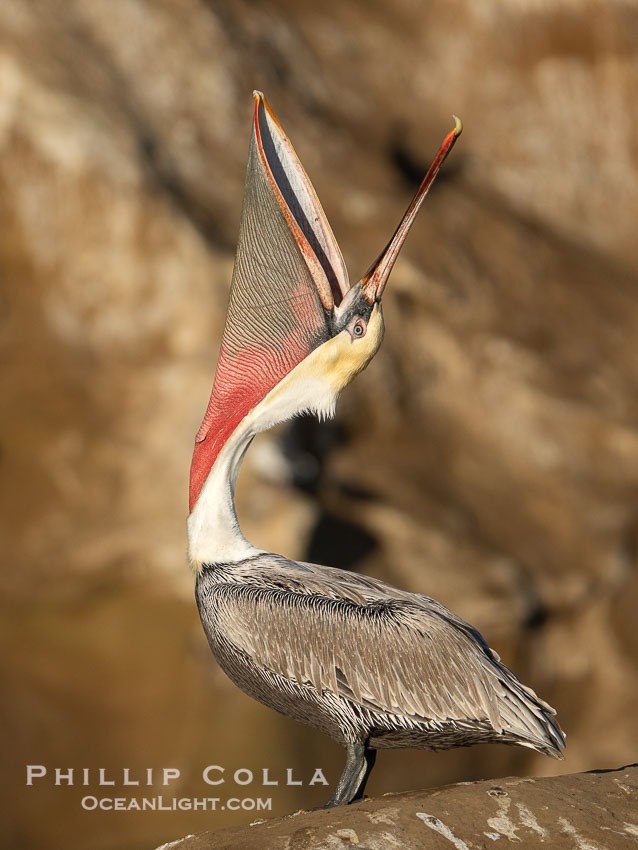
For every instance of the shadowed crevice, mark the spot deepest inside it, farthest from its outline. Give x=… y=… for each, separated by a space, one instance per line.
x=339 y=543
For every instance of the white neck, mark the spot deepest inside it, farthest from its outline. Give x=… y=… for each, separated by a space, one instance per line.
x=214 y=535
x=313 y=385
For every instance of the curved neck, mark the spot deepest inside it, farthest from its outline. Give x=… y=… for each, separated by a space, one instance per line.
x=214 y=536
x=312 y=386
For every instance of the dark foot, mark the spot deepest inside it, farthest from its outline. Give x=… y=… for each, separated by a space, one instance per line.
x=352 y=782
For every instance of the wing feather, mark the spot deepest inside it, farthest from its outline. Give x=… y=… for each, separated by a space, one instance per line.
x=382 y=648
x=397 y=658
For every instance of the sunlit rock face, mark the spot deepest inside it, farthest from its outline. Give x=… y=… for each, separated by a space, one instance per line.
x=488 y=456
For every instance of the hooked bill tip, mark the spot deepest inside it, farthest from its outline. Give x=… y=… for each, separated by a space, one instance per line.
x=458 y=126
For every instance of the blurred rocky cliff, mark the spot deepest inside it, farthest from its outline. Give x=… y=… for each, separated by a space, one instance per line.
x=488 y=457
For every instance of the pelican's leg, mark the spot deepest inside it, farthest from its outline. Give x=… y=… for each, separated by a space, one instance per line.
x=352 y=782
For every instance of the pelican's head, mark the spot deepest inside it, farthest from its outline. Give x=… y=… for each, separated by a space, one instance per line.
x=296 y=332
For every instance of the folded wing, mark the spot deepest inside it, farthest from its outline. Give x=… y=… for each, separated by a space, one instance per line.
x=406 y=656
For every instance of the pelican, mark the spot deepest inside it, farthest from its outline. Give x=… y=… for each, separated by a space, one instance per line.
x=370 y=665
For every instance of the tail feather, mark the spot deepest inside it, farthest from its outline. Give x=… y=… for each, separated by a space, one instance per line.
x=528 y=719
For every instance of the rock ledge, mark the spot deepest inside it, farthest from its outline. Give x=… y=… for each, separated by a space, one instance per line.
x=581 y=811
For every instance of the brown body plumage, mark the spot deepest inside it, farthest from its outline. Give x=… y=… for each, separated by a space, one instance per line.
x=364 y=661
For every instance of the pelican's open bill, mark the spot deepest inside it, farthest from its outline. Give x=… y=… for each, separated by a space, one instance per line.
x=372 y=666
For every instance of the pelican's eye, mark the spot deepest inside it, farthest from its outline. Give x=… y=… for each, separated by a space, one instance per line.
x=357 y=328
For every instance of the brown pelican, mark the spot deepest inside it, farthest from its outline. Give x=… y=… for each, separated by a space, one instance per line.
x=370 y=665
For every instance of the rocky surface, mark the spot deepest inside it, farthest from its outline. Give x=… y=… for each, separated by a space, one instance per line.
x=584 y=811
x=488 y=456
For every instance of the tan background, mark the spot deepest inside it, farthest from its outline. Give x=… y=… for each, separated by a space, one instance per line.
x=488 y=457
